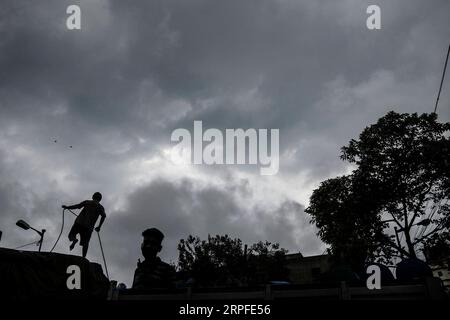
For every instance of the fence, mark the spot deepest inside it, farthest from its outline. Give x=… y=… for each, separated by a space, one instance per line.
x=430 y=288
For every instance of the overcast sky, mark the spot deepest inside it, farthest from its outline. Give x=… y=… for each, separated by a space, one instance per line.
x=116 y=89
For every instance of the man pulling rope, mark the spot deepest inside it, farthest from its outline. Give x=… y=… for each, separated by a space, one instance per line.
x=85 y=222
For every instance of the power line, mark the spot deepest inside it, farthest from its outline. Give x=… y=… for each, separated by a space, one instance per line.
x=430 y=215
x=28 y=244
x=433 y=211
x=442 y=81
x=427 y=207
x=421 y=230
x=434 y=208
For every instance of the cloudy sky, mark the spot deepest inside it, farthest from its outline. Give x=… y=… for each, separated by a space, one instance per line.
x=112 y=93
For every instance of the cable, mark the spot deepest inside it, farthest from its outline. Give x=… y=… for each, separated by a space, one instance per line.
x=28 y=244
x=442 y=80
x=427 y=207
x=60 y=233
x=435 y=208
x=72 y=212
x=62 y=227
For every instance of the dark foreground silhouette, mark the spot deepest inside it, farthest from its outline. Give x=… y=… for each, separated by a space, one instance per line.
x=153 y=273
x=28 y=275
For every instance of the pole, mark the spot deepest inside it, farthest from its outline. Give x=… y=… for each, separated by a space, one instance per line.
x=103 y=255
x=396 y=236
x=42 y=239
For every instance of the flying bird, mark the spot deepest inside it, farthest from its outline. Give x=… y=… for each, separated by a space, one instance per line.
x=56 y=141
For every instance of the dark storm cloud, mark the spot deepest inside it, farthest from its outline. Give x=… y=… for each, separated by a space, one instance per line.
x=115 y=90
x=199 y=50
x=184 y=208
x=18 y=201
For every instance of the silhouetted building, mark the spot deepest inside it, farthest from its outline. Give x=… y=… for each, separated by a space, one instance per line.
x=26 y=275
x=442 y=271
x=307 y=270
x=411 y=269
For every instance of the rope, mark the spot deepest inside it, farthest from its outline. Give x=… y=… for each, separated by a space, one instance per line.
x=62 y=227
x=60 y=233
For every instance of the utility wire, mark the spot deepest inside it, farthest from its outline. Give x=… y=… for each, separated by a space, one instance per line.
x=442 y=80
x=420 y=228
x=435 y=209
x=28 y=244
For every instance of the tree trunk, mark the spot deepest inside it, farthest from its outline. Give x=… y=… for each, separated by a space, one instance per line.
x=412 y=252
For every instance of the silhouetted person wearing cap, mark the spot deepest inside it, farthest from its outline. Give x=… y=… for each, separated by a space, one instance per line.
x=85 y=222
x=152 y=273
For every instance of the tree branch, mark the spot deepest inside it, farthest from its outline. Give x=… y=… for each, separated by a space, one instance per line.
x=438 y=228
x=419 y=204
x=399 y=249
x=405 y=215
x=395 y=220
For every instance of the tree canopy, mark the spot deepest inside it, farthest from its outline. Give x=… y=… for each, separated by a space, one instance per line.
x=395 y=201
x=224 y=261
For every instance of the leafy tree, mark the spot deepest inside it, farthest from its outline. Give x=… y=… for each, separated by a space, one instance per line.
x=266 y=261
x=400 y=181
x=437 y=249
x=346 y=221
x=223 y=261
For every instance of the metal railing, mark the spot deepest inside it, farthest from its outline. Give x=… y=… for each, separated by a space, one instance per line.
x=429 y=288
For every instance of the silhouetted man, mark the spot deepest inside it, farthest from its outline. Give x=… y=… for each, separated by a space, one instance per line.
x=153 y=273
x=85 y=222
